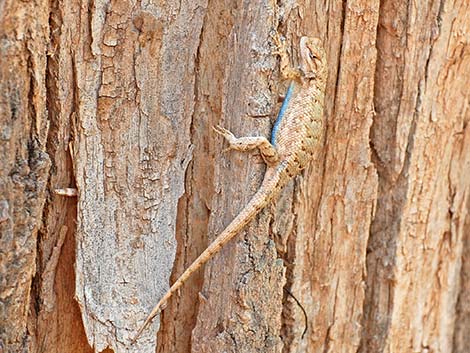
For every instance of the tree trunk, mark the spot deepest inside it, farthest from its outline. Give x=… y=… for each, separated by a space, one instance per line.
x=117 y=99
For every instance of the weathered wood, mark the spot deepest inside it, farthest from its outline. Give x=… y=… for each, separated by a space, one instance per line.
x=421 y=142
x=135 y=92
x=122 y=96
x=24 y=163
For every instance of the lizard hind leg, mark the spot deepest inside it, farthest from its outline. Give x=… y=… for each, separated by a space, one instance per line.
x=267 y=150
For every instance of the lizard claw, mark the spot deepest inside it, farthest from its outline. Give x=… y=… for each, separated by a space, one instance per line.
x=279 y=41
x=226 y=134
x=220 y=130
x=258 y=158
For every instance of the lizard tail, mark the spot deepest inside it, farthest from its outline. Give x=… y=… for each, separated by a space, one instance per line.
x=263 y=196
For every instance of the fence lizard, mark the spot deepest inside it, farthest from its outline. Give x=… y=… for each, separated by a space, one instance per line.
x=296 y=137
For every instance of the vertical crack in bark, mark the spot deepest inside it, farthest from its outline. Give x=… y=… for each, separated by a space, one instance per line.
x=340 y=56
x=395 y=187
x=173 y=335
x=33 y=118
x=384 y=178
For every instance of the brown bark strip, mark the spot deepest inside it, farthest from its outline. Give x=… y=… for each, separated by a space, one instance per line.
x=419 y=135
x=48 y=275
x=24 y=165
x=372 y=240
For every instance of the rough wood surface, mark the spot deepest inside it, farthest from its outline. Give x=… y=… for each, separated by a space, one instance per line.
x=24 y=163
x=117 y=99
x=421 y=142
x=133 y=144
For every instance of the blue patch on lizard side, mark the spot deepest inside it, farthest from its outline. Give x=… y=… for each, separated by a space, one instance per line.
x=281 y=113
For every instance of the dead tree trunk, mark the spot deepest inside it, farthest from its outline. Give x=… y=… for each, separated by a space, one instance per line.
x=116 y=99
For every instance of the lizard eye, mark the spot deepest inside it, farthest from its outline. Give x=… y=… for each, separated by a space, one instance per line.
x=310 y=54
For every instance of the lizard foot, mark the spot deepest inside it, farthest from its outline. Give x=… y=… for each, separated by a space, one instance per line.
x=243 y=144
x=280 y=43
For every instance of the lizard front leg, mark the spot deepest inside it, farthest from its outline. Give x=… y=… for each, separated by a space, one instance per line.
x=288 y=72
x=266 y=149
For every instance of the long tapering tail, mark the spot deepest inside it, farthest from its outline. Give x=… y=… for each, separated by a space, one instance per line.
x=266 y=192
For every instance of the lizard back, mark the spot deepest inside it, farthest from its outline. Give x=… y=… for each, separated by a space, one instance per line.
x=301 y=127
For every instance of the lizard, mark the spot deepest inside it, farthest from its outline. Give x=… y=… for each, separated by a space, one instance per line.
x=296 y=137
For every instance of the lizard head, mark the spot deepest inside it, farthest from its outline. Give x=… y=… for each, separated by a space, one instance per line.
x=312 y=58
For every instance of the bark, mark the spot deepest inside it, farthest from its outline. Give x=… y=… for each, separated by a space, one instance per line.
x=117 y=99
